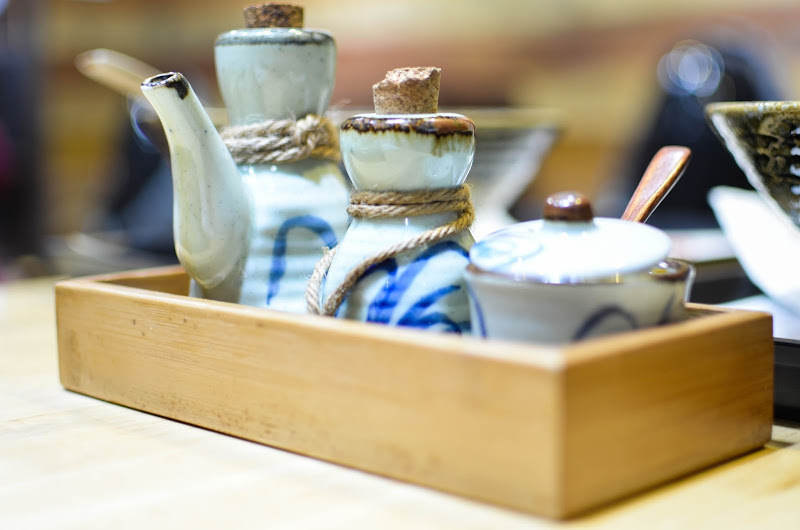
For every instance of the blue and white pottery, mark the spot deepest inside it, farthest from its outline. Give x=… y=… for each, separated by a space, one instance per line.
x=253 y=233
x=570 y=276
x=421 y=288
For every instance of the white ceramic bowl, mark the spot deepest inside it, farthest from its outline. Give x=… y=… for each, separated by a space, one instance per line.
x=569 y=277
x=766 y=242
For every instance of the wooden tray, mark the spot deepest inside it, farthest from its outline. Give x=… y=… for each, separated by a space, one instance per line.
x=548 y=430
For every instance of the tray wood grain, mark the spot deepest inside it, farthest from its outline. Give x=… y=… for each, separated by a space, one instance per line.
x=549 y=430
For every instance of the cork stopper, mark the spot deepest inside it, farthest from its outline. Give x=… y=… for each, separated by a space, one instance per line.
x=408 y=91
x=273 y=16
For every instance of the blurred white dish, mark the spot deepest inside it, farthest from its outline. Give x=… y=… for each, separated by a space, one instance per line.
x=785 y=324
x=700 y=245
x=766 y=243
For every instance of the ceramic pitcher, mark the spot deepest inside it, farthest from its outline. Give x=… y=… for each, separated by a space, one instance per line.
x=252 y=232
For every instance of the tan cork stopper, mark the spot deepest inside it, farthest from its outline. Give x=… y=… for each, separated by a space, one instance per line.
x=273 y=16
x=408 y=91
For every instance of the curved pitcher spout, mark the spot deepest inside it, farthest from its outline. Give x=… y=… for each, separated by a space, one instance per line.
x=211 y=216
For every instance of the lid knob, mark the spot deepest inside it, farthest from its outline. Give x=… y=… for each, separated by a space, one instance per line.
x=273 y=16
x=568 y=206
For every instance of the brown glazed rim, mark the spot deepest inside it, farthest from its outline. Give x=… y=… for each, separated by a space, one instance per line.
x=752 y=108
x=276 y=36
x=432 y=124
x=666 y=270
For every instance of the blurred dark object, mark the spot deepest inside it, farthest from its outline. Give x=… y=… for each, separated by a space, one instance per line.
x=787 y=379
x=132 y=225
x=140 y=201
x=721 y=281
x=691 y=75
x=136 y=212
x=21 y=215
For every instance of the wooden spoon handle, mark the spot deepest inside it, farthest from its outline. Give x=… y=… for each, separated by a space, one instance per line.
x=659 y=178
x=124 y=74
x=115 y=70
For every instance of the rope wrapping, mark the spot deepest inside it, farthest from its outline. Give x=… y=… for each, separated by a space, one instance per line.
x=381 y=205
x=283 y=141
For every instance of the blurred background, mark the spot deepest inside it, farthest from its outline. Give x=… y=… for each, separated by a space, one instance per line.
x=624 y=76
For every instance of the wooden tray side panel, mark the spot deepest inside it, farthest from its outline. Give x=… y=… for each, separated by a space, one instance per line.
x=170 y=279
x=481 y=427
x=664 y=405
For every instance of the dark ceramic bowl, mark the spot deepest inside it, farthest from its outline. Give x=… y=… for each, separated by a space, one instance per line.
x=764 y=139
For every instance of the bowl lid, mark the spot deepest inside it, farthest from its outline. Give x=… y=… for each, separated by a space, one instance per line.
x=569 y=245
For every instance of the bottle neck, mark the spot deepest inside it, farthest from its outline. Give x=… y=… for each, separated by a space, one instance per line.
x=262 y=78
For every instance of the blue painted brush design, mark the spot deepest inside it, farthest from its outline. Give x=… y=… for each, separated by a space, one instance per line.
x=604 y=313
x=313 y=223
x=422 y=313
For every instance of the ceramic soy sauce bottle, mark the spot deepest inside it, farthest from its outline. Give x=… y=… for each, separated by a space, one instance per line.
x=250 y=229
x=408 y=164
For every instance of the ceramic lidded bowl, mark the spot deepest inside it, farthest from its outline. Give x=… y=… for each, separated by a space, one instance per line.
x=570 y=276
x=764 y=139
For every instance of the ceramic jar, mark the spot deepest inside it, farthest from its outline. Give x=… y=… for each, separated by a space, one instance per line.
x=298 y=207
x=423 y=287
x=570 y=276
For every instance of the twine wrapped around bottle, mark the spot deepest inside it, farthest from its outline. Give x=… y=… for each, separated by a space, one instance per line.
x=377 y=205
x=283 y=141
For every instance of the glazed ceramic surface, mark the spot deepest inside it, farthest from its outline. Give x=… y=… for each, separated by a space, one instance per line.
x=253 y=233
x=275 y=72
x=764 y=139
x=424 y=287
x=564 y=280
x=297 y=209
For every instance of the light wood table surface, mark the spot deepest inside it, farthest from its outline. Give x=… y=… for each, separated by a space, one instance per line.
x=70 y=461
